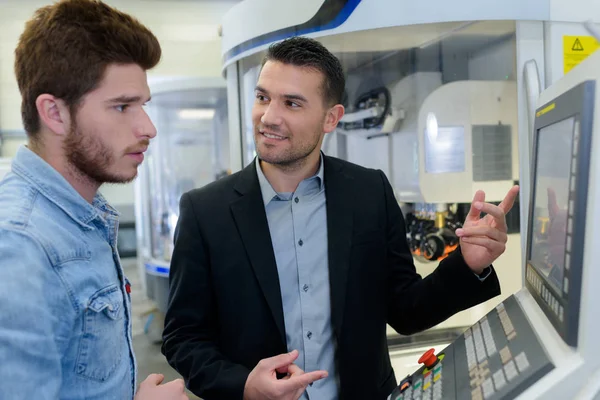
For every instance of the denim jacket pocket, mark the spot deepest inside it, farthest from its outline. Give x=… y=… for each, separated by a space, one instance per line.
x=103 y=334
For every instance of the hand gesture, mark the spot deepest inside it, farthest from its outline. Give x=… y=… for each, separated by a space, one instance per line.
x=151 y=389
x=262 y=383
x=483 y=240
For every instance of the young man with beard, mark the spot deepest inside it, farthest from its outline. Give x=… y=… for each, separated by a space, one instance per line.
x=65 y=324
x=292 y=267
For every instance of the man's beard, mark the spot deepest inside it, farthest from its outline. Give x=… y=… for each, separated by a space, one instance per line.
x=91 y=157
x=292 y=158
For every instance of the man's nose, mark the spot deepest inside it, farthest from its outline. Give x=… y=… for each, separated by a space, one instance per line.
x=272 y=115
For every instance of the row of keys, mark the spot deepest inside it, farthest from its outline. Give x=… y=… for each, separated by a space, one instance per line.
x=435 y=394
x=432 y=387
x=553 y=303
x=432 y=377
x=470 y=347
x=498 y=380
x=479 y=346
x=429 y=388
x=535 y=281
x=490 y=344
x=509 y=329
x=437 y=373
x=547 y=295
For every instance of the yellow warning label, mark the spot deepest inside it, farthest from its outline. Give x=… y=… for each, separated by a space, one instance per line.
x=545 y=110
x=576 y=49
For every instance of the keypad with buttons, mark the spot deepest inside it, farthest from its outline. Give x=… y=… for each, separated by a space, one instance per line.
x=498 y=357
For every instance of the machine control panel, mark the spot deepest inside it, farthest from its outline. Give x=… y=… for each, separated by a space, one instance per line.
x=497 y=358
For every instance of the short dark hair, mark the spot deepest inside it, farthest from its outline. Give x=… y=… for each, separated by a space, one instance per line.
x=65 y=50
x=305 y=52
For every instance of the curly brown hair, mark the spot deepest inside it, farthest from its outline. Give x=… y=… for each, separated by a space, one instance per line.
x=66 y=47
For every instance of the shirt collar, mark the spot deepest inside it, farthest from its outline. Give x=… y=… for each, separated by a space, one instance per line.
x=52 y=185
x=268 y=193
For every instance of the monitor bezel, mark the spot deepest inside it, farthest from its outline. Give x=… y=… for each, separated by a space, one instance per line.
x=562 y=309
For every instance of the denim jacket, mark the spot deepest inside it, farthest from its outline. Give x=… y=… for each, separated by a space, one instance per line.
x=65 y=313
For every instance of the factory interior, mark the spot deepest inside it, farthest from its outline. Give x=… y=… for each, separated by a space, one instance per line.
x=445 y=98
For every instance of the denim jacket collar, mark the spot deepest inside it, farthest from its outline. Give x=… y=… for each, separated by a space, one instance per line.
x=58 y=190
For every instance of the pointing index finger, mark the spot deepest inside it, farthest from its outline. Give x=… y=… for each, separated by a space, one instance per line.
x=475 y=211
x=509 y=201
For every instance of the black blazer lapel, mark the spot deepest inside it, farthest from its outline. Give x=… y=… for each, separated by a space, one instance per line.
x=339 y=231
x=251 y=220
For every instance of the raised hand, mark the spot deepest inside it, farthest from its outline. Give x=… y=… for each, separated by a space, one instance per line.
x=483 y=240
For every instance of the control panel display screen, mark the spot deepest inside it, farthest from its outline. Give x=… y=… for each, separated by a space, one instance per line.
x=551 y=201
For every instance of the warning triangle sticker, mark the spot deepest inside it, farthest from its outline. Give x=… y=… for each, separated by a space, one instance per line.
x=577 y=46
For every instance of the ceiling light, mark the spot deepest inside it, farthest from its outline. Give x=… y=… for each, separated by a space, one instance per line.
x=196 y=113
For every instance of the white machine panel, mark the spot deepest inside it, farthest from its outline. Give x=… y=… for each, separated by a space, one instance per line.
x=541 y=343
x=468 y=141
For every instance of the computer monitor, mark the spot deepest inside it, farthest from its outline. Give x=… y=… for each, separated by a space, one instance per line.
x=559 y=185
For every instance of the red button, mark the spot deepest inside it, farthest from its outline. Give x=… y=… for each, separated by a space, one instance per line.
x=128 y=288
x=429 y=358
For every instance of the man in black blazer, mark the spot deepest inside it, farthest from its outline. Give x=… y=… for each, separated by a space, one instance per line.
x=284 y=274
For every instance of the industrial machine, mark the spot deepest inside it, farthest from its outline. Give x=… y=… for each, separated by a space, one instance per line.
x=445 y=140
x=542 y=342
x=190 y=150
x=440 y=96
x=435 y=108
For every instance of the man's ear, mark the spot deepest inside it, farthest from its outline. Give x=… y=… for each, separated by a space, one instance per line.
x=334 y=114
x=54 y=114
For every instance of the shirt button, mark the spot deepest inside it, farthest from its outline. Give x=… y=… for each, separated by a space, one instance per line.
x=305 y=288
x=296 y=200
x=309 y=335
x=300 y=242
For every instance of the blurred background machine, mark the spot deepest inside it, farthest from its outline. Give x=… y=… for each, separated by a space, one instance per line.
x=542 y=342
x=190 y=151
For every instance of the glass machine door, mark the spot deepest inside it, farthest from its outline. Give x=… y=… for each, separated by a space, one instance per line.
x=190 y=150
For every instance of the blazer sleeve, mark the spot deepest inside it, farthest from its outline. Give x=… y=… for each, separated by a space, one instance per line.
x=416 y=303
x=190 y=337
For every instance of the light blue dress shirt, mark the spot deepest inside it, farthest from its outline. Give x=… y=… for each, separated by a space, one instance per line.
x=298 y=226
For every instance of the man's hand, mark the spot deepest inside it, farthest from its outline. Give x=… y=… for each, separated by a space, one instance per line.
x=483 y=240
x=151 y=389
x=262 y=383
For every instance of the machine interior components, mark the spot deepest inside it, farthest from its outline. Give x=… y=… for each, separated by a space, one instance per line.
x=370 y=110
